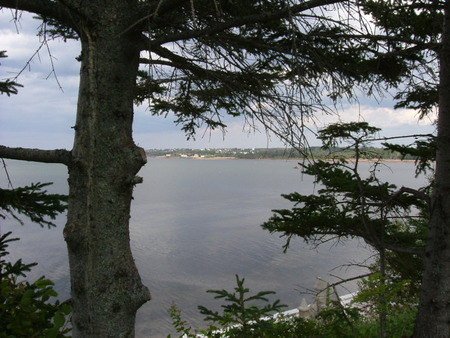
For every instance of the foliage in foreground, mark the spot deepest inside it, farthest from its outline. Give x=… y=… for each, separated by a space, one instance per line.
x=25 y=310
x=242 y=318
x=397 y=299
x=33 y=202
x=352 y=203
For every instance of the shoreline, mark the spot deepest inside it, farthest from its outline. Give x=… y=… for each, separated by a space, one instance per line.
x=262 y=158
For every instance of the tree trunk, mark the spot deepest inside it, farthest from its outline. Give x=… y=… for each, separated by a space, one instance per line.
x=105 y=285
x=433 y=319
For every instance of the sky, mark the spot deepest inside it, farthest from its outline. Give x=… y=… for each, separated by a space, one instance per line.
x=43 y=112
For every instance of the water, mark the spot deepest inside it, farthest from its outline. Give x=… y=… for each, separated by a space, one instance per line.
x=194 y=225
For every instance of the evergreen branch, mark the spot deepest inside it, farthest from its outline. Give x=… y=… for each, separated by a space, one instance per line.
x=8 y=86
x=417 y=44
x=261 y=18
x=155 y=9
x=47 y=8
x=179 y=61
x=33 y=202
x=227 y=77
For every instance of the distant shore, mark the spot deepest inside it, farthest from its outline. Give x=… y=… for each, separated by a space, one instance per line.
x=285 y=154
x=268 y=158
x=198 y=158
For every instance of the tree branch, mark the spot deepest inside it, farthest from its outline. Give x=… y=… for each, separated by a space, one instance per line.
x=417 y=43
x=181 y=63
x=240 y=21
x=62 y=156
x=419 y=194
x=154 y=10
x=54 y=9
x=346 y=280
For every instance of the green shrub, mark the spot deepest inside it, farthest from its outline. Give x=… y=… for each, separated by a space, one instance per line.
x=25 y=310
x=241 y=317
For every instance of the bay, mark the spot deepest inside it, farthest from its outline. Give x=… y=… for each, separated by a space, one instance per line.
x=194 y=225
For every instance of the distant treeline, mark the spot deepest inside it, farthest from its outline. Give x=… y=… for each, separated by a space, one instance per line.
x=275 y=153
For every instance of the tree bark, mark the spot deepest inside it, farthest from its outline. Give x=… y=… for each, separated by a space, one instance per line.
x=433 y=319
x=105 y=285
x=36 y=155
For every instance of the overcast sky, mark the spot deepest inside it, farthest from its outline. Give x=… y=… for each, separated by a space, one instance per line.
x=42 y=114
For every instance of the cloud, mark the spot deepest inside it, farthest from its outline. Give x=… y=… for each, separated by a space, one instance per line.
x=40 y=111
x=385 y=116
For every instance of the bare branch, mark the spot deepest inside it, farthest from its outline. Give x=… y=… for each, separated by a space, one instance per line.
x=62 y=156
x=346 y=280
x=385 y=138
x=419 y=194
x=400 y=249
x=7 y=174
x=44 y=42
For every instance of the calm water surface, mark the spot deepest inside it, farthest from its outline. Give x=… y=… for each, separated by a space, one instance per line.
x=194 y=225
